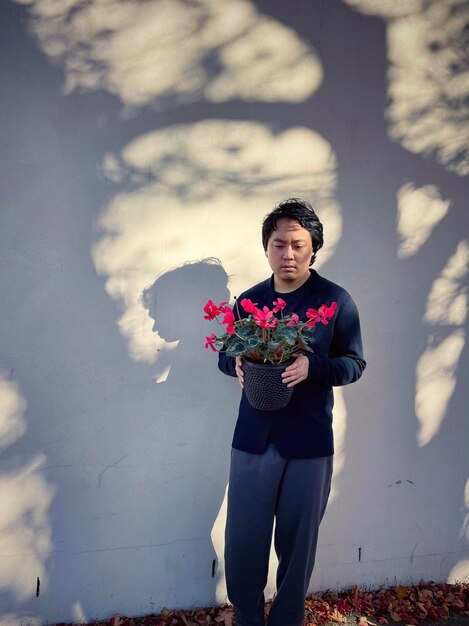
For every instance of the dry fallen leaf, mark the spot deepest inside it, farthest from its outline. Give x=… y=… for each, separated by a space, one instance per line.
x=427 y=600
x=225 y=615
x=335 y=616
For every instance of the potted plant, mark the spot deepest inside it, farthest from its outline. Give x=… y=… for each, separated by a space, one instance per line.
x=268 y=341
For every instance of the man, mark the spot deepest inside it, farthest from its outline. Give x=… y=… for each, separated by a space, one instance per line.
x=281 y=461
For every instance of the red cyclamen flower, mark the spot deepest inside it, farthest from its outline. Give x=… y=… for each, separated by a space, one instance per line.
x=229 y=320
x=266 y=324
x=313 y=316
x=210 y=341
x=212 y=310
x=279 y=305
x=262 y=317
x=328 y=312
x=324 y=314
x=248 y=306
x=294 y=320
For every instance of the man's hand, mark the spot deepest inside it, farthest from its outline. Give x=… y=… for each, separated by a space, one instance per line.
x=296 y=372
x=239 y=370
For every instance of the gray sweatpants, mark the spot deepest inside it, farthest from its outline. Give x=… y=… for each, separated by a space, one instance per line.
x=295 y=492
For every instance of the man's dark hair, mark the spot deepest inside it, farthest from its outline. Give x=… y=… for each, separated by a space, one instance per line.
x=301 y=211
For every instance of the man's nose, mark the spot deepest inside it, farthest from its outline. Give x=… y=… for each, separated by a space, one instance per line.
x=288 y=252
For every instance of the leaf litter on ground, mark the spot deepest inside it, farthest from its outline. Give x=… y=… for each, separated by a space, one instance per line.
x=424 y=603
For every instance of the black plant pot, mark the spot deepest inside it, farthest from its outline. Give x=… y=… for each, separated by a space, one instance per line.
x=263 y=385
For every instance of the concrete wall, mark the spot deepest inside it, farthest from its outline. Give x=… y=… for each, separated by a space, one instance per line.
x=143 y=140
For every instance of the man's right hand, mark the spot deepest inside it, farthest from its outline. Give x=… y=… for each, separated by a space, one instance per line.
x=239 y=370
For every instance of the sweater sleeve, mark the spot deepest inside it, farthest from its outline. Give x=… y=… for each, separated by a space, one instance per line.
x=344 y=363
x=226 y=364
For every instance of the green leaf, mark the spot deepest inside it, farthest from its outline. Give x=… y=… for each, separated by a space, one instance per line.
x=307 y=335
x=236 y=347
x=248 y=331
x=286 y=334
x=251 y=343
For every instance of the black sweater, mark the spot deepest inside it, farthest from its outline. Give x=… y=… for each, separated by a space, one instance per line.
x=303 y=429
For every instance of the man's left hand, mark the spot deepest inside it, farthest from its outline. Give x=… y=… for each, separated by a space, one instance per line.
x=296 y=372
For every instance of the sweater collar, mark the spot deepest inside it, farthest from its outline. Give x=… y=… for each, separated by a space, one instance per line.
x=313 y=275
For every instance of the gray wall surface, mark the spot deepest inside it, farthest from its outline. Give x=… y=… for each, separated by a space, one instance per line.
x=142 y=143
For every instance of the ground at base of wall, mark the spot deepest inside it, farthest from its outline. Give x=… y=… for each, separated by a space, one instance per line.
x=425 y=604
x=453 y=620
x=413 y=604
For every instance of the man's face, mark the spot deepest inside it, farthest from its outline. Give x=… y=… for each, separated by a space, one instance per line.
x=289 y=252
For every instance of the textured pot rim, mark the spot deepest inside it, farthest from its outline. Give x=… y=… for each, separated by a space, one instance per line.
x=266 y=364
